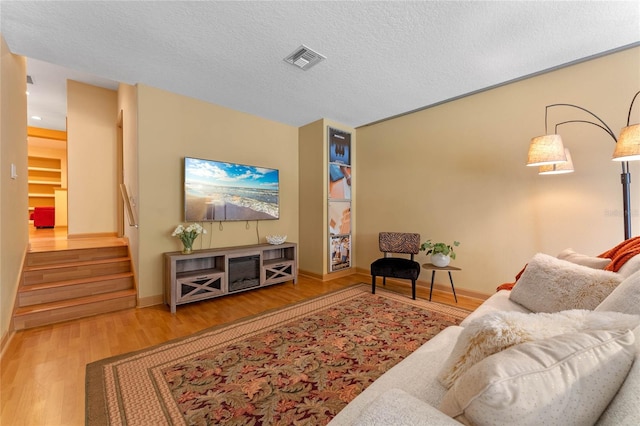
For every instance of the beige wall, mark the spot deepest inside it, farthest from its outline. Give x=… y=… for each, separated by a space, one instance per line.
x=127 y=103
x=313 y=195
x=171 y=127
x=314 y=166
x=91 y=153
x=456 y=172
x=13 y=200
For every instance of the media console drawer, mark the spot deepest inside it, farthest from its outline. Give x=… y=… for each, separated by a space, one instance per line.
x=204 y=274
x=278 y=272
x=198 y=287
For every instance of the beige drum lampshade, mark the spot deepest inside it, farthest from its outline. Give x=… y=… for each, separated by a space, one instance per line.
x=558 y=168
x=628 y=145
x=544 y=150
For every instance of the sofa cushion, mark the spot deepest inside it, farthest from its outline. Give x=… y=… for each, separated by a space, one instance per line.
x=630 y=267
x=498 y=331
x=625 y=407
x=497 y=302
x=582 y=259
x=625 y=297
x=564 y=380
x=396 y=407
x=549 y=284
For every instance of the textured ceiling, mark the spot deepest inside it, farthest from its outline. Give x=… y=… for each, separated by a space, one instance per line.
x=383 y=58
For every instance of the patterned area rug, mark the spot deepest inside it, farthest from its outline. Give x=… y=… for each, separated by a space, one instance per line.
x=297 y=365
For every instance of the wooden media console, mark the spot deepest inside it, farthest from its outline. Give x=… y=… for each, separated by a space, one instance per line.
x=204 y=274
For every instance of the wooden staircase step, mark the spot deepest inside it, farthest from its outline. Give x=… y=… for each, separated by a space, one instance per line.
x=64 y=310
x=73 y=302
x=71 y=289
x=77 y=270
x=55 y=257
x=76 y=263
x=68 y=284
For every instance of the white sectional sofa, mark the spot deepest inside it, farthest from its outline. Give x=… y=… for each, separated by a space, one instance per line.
x=578 y=366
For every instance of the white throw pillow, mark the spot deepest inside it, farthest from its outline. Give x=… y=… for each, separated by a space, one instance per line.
x=549 y=284
x=498 y=331
x=565 y=380
x=582 y=259
x=625 y=297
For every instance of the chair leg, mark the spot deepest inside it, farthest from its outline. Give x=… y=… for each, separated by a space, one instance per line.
x=384 y=281
x=413 y=289
x=373 y=284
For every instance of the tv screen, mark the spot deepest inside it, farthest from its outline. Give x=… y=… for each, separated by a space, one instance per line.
x=219 y=191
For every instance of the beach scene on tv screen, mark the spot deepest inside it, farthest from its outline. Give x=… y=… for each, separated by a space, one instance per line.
x=220 y=191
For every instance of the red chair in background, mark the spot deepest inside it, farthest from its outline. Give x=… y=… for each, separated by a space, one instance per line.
x=44 y=217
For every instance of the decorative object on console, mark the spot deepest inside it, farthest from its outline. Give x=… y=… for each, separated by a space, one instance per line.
x=441 y=253
x=188 y=235
x=549 y=153
x=276 y=239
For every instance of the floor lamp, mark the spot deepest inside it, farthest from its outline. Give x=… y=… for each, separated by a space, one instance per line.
x=548 y=152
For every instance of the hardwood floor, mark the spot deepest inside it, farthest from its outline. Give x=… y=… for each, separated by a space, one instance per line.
x=42 y=370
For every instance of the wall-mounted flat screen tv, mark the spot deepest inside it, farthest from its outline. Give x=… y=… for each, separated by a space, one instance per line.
x=219 y=191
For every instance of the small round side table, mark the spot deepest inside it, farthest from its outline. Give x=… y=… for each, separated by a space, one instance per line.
x=433 y=268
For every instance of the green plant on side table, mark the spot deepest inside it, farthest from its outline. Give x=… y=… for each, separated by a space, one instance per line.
x=441 y=253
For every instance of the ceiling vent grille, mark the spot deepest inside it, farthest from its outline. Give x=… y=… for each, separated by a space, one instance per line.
x=29 y=79
x=304 y=57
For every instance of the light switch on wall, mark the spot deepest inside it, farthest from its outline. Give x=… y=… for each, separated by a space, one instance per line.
x=14 y=172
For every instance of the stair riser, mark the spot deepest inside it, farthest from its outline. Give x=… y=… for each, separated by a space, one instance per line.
x=74 y=272
x=71 y=284
x=37 y=319
x=34 y=297
x=69 y=256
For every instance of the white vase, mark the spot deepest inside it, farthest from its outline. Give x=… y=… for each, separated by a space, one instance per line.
x=440 y=260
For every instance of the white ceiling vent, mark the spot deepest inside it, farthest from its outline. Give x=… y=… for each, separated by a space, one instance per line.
x=304 y=58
